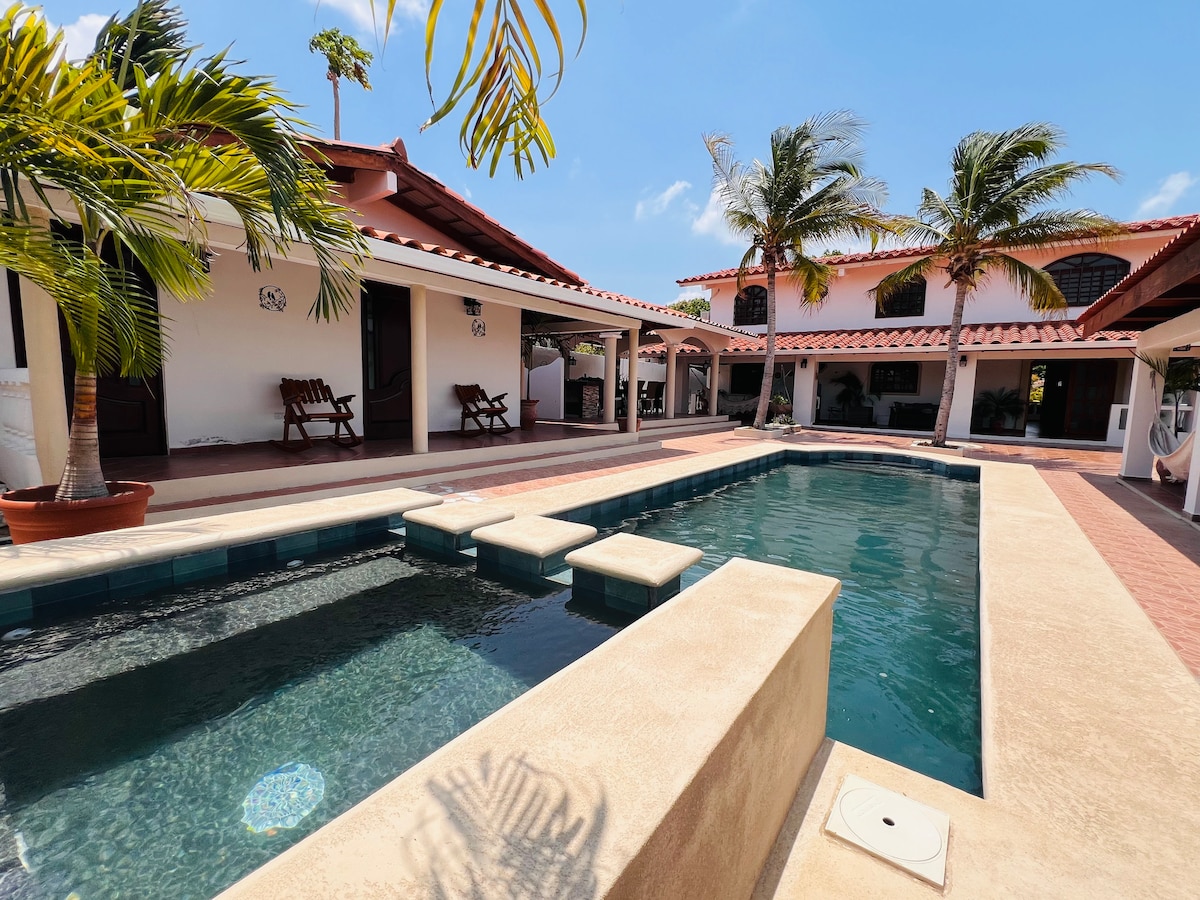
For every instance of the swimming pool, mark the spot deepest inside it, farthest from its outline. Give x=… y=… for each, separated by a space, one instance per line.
x=127 y=779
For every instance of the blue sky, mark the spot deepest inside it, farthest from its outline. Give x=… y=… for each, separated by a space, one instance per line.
x=626 y=203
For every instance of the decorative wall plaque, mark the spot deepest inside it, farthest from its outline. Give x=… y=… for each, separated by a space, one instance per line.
x=272 y=298
x=478 y=327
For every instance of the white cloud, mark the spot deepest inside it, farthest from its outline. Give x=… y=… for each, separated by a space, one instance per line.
x=657 y=205
x=1169 y=191
x=360 y=12
x=80 y=35
x=711 y=222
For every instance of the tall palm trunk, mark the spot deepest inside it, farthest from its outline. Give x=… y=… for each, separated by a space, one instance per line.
x=337 y=109
x=961 y=289
x=768 y=379
x=82 y=477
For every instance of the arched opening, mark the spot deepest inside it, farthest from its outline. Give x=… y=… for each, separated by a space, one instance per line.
x=1085 y=277
x=750 y=306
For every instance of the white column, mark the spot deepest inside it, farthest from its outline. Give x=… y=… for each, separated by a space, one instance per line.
x=631 y=394
x=420 y=368
x=963 y=403
x=1145 y=400
x=714 y=379
x=804 y=391
x=611 y=368
x=669 y=390
x=1191 y=499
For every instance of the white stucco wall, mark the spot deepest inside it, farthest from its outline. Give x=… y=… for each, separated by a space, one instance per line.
x=849 y=306
x=227 y=354
x=458 y=357
x=388 y=217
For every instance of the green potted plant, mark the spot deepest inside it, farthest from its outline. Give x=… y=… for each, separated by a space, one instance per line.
x=993 y=408
x=118 y=151
x=852 y=399
x=780 y=406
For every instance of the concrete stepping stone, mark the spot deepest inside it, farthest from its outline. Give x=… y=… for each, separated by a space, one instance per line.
x=629 y=572
x=528 y=547
x=446 y=530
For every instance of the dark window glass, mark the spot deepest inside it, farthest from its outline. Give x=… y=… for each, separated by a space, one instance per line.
x=908 y=302
x=1085 y=278
x=745 y=378
x=895 y=378
x=750 y=306
x=18 y=321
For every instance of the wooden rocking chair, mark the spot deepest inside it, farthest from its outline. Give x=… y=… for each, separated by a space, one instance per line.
x=476 y=404
x=296 y=392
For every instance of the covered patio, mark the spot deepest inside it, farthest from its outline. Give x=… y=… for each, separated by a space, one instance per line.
x=1160 y=300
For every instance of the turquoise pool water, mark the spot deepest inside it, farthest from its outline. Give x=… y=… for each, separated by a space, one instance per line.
x=904 y=674
x=131 y=784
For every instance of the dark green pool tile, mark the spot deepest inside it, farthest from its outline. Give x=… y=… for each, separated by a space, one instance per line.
x=138 y=580
x=376 y=526
x=249 y=554
x=196 y=566
x=91 y=589
x=291 y=546
x=337 y=536
x=16 y=607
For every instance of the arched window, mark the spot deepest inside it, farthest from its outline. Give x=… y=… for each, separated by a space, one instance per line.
x=1086 y=277
x=750 y=306
x=908 y=302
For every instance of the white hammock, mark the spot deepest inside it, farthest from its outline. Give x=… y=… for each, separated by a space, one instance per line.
x=1176 y=455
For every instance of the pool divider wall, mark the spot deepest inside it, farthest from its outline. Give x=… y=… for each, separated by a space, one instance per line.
x=658 y=765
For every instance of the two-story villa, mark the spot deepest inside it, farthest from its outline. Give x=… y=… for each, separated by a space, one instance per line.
x=898 y=351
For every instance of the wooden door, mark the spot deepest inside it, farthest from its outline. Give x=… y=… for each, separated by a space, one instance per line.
x=1090 y=392
x=387 y=362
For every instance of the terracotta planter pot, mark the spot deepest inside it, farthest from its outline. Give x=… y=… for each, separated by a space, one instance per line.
x=623 y=423
x=528 y=414
x=34 y=515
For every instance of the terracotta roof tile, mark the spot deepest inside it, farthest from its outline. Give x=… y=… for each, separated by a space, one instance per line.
x=1003 y=334
x=392 y=237
x=1148 y=225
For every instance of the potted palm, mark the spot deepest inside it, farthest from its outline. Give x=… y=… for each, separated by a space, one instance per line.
x=109 y=161
x=994 y=408
x=852 y=398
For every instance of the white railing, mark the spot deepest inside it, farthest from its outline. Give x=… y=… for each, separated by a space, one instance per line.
x=18 y=450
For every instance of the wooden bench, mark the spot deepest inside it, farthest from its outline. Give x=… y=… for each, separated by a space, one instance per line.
x=299 y=396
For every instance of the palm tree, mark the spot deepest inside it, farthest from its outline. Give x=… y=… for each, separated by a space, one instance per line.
x=505 y=72
x=121 y=151
x=999 y=182
x=345 y=59
x=810 y=193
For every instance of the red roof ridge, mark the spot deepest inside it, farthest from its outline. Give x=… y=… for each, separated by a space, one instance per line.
x=1050 y=331
x=1139 y=227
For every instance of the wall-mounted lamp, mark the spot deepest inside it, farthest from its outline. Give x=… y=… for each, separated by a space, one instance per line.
x=962 y=361
x=804 y=362
x=472 y=307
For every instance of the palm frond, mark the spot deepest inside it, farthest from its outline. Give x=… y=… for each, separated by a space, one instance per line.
x=1035 y=284
x=893 y=284
x=1051 y=226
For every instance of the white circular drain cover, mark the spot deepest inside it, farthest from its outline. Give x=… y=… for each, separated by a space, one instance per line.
x=890 y=826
